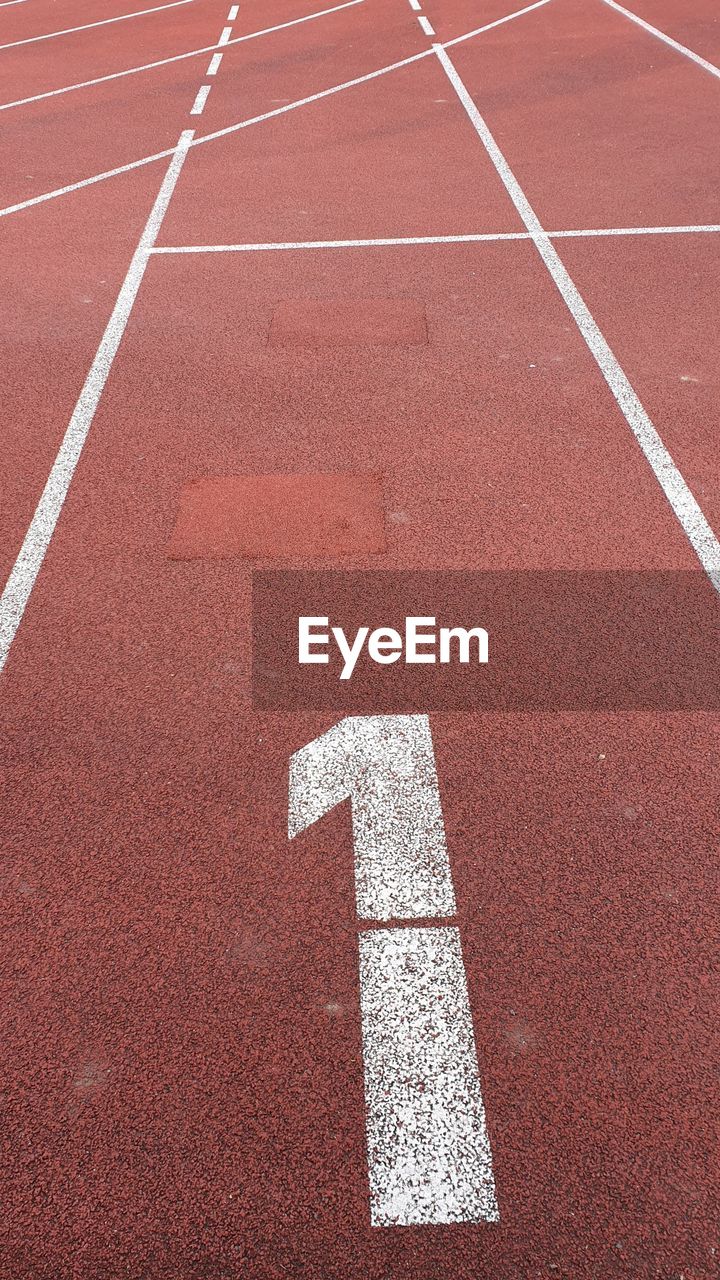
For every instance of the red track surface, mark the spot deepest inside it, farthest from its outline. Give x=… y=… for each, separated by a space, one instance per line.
x=180 y=1061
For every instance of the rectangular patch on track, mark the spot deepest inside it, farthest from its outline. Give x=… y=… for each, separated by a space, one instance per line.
x=280 y=517
x=356 y=322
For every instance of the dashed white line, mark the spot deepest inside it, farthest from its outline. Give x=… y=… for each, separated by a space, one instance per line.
x=660 y=35
x=122 y=17
x=178 y=57
x=214 y=64
x=243 y=124
x=199 y=103
x=415 y=4
x=42 y=526
x=426 y=25
x=233 y=13
x=683 y=503
x=225 y=35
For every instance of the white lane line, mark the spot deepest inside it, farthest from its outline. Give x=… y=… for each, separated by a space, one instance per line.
x=122 y=17
x=244 y=124
x=42 y=526
x=426 y=25
x=386 y=766
x=178 y=57
x=224 y=36
x=85 y=182
x=6 y=3
x=469 y=238
x=214 y=64
x=674 y=44
x=684 y=504
x=233 y=13
x=638 y=231
x=415 y=4
x=341 y=244
x=313 y=97
x=199 y=103
x=429 y=1156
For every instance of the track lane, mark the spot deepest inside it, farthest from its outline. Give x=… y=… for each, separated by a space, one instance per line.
x=38 y=23
x=384 y=134
x=66 y=264
x=63 y=271
x=576 y=99
x=672 y=354
x=37 y=68
x=255 y=999
x=296 y=62
x=185 y=1065
x=696 y=28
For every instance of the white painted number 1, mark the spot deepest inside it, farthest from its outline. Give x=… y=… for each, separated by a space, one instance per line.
x=428 y=1151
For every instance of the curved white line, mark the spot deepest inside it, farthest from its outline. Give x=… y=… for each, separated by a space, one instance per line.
x=122 y=17
x=178 y=57
x=244 y=124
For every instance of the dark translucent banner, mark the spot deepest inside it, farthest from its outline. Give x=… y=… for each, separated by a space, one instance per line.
x=382 y=642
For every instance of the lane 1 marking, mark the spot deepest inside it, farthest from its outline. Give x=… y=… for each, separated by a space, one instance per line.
x=214 y=64
x=426 y=25
x=429 y=1159
x=225 y=36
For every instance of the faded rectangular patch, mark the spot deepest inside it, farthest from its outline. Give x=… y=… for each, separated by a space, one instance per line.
x=280 y=517
x=319 y=322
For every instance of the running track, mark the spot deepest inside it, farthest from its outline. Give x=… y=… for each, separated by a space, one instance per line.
x=182 y=1089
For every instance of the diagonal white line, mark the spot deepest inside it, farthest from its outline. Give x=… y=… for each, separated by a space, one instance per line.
x=674 y=44
x=85 y=182
x=639 y=231
x=671 y=481
x=244 y=124
x=42 y=526
x=498 y=22
x=122 y=17
x=178 y=57
x=370 y=75
x=312 y=97
x=341 y=244
x=469 y=238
